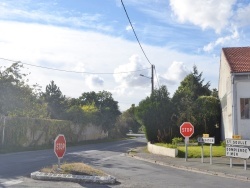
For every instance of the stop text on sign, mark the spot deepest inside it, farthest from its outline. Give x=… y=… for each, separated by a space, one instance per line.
x=60 y=146
x=186 y=130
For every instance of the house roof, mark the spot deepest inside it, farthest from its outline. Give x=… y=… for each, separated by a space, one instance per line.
x=238 y=58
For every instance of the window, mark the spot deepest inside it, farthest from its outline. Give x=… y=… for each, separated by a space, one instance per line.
x=244 y=108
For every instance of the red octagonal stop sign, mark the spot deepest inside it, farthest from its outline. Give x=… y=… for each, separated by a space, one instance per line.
x=187 y=129
x=60 y=146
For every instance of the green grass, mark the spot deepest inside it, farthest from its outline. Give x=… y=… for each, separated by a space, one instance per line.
x=195 y=151
x=166 y=145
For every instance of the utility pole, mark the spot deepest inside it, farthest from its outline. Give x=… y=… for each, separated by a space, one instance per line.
x=152 y=78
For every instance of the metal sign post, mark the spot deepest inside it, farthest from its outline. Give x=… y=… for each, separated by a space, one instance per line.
x=211 y=154
x=4 y=122
x=206 y=140
x=186 y=148
x=202 y=153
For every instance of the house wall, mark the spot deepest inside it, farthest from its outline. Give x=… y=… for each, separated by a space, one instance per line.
x=243 y=125
x=225 y=95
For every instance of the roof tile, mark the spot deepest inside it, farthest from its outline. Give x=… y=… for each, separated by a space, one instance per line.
x=238 y=58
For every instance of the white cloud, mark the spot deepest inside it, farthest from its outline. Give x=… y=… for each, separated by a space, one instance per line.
x=175 y=73
x=222 y=40
x=128 y=28
x=132 y=77
x=81 y=51
x=58 y=17
x=94 y=82
x=204 y=13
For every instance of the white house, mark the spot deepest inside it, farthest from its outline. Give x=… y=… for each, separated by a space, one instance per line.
x=234 y=91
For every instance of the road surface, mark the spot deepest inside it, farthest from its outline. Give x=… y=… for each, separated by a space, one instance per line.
x=111 y=157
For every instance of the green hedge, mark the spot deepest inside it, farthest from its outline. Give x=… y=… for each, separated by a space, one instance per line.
x=30 y=132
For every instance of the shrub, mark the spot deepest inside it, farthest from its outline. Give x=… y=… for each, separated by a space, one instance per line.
x=223 y=143
x=176 y=140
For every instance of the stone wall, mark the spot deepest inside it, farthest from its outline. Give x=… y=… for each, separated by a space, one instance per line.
x=30 y=132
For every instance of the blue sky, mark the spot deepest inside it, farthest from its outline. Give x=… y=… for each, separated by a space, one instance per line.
x=95 y=37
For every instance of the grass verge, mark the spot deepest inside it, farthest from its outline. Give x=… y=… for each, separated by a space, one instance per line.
x=195 y=151
x=75 y=169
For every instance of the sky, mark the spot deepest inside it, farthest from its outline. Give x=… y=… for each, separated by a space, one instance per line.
x=89 y=45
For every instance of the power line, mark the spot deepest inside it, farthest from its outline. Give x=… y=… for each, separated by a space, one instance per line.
x=135 y=32
x=78 y=72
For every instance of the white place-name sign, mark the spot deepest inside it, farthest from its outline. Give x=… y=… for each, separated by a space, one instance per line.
x=237 y=142
x=209 y=140
x=239 y=152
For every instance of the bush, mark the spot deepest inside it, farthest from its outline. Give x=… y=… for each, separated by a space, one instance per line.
x=176 y=140
x=223 y=143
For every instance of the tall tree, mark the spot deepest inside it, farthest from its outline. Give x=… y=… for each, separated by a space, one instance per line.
x=127 y=121
x=56 y=101
x=16 y=97
x=207 y=113
x=104 y=102
x=189 y=90
x=154 y=113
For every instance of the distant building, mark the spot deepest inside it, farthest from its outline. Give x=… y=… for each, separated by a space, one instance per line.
x=234 y=91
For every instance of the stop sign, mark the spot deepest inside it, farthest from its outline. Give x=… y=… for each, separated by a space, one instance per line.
x=187 y=129
x=60 y=146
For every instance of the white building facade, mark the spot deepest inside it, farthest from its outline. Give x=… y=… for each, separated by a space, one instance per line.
x=234 y=92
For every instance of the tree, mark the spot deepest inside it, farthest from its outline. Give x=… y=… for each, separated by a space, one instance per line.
x=56 y=101
x=154 y=113
x=207 y=113
x=75 y=114
x=185 y=96
x=104 y=102
x=127 y=121
x=16 y=97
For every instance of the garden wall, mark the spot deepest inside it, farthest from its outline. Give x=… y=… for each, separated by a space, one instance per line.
x=30 y=132
x=170 y=152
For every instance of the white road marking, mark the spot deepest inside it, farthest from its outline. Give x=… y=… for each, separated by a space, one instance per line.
x=11 y=182
x=82 y=152
x=111 y=157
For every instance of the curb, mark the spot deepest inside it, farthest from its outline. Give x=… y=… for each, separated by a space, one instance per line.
x=73 y=178
x=197 y=170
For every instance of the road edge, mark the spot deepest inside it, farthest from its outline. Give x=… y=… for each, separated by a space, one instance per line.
x=197 y=170
x=73 y=178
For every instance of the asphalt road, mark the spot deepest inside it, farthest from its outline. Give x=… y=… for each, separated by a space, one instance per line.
x=111 y=157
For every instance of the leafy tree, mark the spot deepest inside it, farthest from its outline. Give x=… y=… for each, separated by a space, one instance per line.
x=75 y=114
x=16 y=97
x=92 y=113
x=185 y=96
x=56 y=101
x=127 y=121
x=207 y=113
x=104 y=102
x=215 y=93
x=154 y=113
